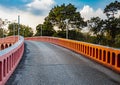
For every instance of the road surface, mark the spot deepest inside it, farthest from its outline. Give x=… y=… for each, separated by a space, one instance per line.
x=49 y=64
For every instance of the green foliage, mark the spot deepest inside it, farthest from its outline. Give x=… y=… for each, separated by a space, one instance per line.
x=38 y=29
x=13 y=29
x=103 y=32
x=76 y=35
x=112 y=24
x=62 y=16
x=96 y=26
x=112 y=27
x=25 y=31
x=72 y=34
x=47 y=29
x=61 y=34
x=117 y=41
x=106 y=31
x=112 y=9
x=1 y=33
x=59 y=14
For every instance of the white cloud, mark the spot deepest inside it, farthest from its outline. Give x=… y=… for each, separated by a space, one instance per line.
x=40 y=5
x=26 y=18
x=87 y=12
x=31 y=20
x=118 y=14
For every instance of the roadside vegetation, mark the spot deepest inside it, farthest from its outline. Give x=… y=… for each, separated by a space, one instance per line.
x=66 y=17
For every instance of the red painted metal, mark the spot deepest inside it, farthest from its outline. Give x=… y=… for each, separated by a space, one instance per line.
x=10 y=57
x=7 y=42
x=106 y=56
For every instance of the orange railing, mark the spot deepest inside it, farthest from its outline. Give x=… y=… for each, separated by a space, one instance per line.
x=9 y=59
x=107 y=56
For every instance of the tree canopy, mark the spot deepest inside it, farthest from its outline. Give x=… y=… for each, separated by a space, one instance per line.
x=108 y=28
x=112 y=9
x=96 y=25
x=65 y=14
x=25 y=31
x=112 y=23
x=46 y=28
x=1 y=33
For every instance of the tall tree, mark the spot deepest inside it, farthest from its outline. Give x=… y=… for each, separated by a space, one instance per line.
x=112 y=9
x=112 y=23
x=113 y=28
x=60 y=14
x=96 y=26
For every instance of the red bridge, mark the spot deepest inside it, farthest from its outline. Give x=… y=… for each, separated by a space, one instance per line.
x=46 y=62
x=10 y=55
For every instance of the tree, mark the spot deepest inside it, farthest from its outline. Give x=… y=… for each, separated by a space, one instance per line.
x=13 y=29
x=112 y=24
x=47 y=29
x=117 y=41
x=59 y=14
x=3 y=32
x=39 y=29
x=25 y=31
x=76 y=35
x=112 y=9
x=61 y=34
x=113 y=29
x=96 y=26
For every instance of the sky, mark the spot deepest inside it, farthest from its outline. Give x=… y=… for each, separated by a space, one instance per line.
x=33 y=12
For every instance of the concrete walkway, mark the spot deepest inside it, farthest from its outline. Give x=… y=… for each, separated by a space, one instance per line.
x=49 y=64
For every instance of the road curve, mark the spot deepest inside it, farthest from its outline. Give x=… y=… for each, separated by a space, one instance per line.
x=49 y=64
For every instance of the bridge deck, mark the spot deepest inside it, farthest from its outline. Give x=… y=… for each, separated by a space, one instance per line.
x=48 y=64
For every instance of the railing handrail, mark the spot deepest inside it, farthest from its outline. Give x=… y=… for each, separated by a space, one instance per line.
x=7 y=50
x=78 y=42
x=107 y=56
x=10 y=56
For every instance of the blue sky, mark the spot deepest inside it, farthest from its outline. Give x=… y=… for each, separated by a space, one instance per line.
x=93 y=3
x=21 y=4
x=33 y=12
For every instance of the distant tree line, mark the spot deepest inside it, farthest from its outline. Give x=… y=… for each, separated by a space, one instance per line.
x=25 y=31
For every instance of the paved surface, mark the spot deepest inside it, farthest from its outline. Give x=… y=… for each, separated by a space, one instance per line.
x=48 y=64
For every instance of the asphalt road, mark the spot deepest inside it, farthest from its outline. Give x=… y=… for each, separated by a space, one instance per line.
x=49 y=64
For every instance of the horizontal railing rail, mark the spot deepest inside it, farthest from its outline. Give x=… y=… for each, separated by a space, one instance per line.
x=106 y=56
x=9 y=59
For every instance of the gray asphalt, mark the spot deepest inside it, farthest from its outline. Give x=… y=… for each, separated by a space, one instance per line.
x=49 y=64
